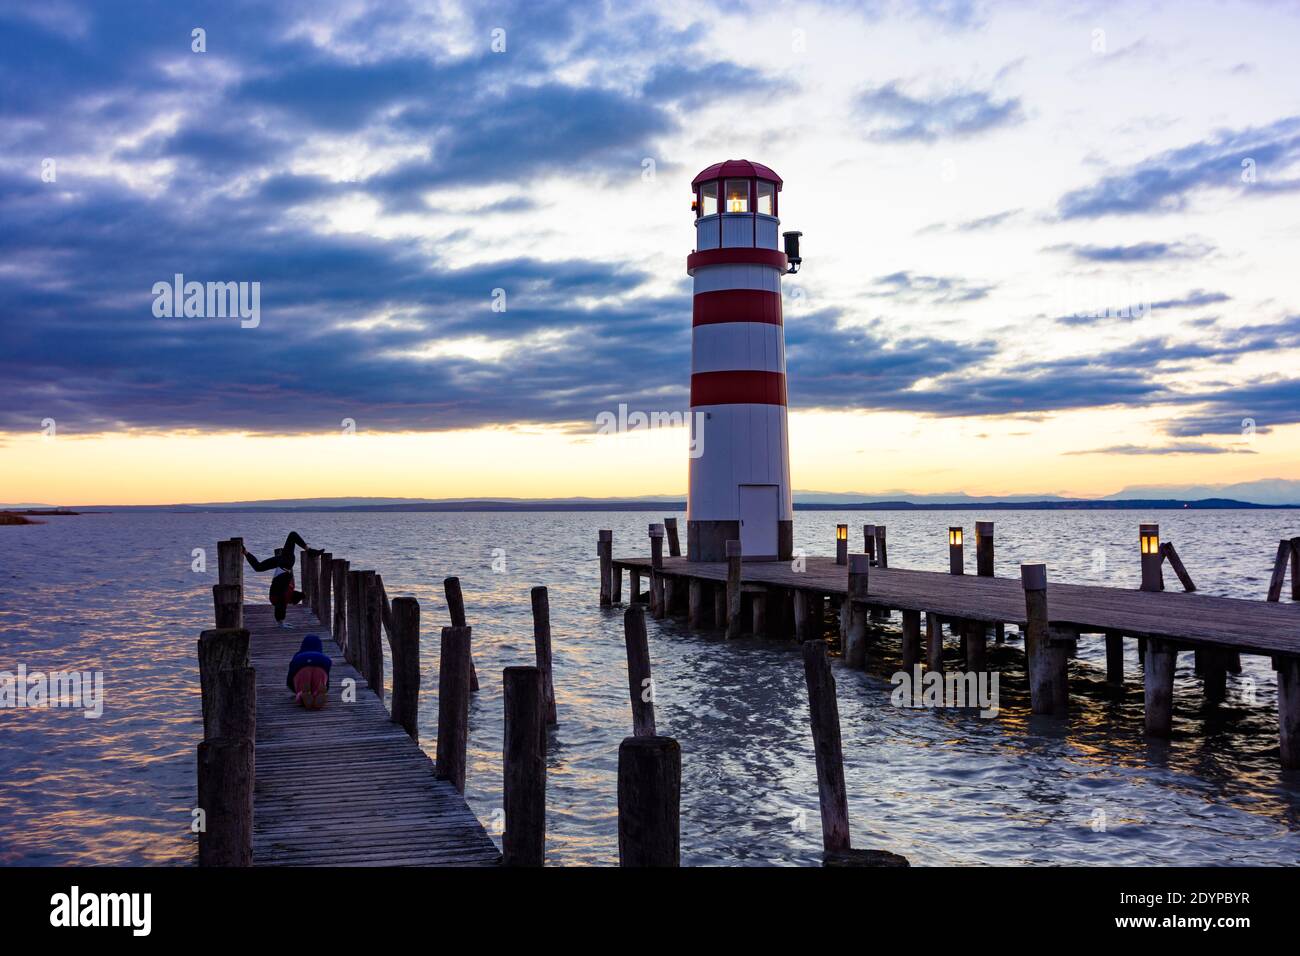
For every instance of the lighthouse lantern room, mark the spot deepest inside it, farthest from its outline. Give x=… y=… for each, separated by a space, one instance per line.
x=740 y=464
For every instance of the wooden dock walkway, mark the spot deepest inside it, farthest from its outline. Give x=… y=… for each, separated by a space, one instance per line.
x=345 y=785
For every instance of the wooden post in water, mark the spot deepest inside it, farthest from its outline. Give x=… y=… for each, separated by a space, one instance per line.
x=634 y=583
x=1288 y=709
x=758 y=613
x=230 y=563
x=453 y=705
x=855 y=645
x=1115 y=659
x=1169 y=552
x=734 y=593
x=456 y=609
x=803 y=628
x=523 y=762
x=366 y=585
x=640 y=683
x=984 y=548
x=309 y=564
x=720 y=605
x=542 y=645
x=326 y=577
x=649 y=802
x=956 y=558
x=1158 y=686
x=1152 y=557
x=605 y=551
x=375 y=635
x=670 y=596
x=1047 y=657
x=615 y=583
x=911 y=639
x=882 y=551
x=218 y=650
x=824 y=716
x=1295 y=569
x=405 y=639
x=695 y=603
x=228 y=605
x=869 y=541
x=1285 y=555
x=933 y=642
x=225 y=795
x=1214 y=674
x=976 y=640
x=339 y=573
x=354 y=620
x=674 y=543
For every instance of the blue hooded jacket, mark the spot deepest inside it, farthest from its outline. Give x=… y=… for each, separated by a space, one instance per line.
x=310 y=654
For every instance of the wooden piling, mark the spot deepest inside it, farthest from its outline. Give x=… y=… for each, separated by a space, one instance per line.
x=824 y=717
x=719 y=605
x=225 y=795
x=803 y=626
x=855 y=611
x=1285 y=555
x=1171 y=554
x=605 y=551
x=542 y=647
x=228 y=606
x=670 y=595
x=695 y=603
x=933 y=642
x=1295 y=569
x=1288 y=709
x=984 y=549
x=375 y=635
x=634 y=584
x=232 y=710
x=218 y=649
x=308 y=565
x=365 y=584
x=453 y=705
x=882 y=550
x=1047 y=655
x=523 y=760
x=230 y=563
x=649 y=802
x=911 y=639
x=325 y=578
x=869 y=541
x=674 y=543
x=640 y=684
x=758 y=613
x=1158 y=686
x=456 y=610
x=1115 y=659
x=734 y=560
x=405 y=640
x=351 y=651
x=976 y=639
x=339 y=574
x=1214 y=675
x=615 y=583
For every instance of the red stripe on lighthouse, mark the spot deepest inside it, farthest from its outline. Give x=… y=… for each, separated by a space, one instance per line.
x=737 y=305
x=738 y=388
x=737 y=255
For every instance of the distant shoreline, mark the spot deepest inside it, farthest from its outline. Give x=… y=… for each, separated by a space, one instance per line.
x=1133 y=504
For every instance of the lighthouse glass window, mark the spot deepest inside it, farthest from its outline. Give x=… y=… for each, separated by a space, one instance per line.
x=763 y=202
x=708 y=199
x=737 y=195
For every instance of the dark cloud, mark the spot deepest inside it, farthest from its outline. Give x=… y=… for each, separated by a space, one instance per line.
x=1137 y=252
x=978 y=224
x=910 y=287
x=893 y=115
x=1242 y=162
x=1136 y=310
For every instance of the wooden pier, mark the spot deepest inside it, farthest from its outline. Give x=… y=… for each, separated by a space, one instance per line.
x=345 y=785
x=791 y=599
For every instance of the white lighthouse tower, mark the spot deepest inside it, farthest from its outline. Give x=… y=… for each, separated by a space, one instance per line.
x=740 y=469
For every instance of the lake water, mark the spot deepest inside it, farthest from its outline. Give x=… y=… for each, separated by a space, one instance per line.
x=116 y=593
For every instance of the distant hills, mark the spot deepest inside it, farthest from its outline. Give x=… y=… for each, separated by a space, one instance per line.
x=1270 y=493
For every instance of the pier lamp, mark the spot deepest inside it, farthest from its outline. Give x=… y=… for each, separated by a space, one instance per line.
x=1152 y=577
x=956 y=560
x=657 y=546
x=841 y=544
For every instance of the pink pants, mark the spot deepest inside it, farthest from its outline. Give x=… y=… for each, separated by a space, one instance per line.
x=310 y=685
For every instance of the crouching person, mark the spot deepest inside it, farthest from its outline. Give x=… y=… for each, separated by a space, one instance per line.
x=309 y=674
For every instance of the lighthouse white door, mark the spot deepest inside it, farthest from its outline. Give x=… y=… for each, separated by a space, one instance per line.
x=760 y=507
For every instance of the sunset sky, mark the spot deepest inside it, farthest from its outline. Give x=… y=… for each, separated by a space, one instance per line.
x=1048 y=249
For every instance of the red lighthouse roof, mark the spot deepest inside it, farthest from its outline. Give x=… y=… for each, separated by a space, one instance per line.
x=737 y=167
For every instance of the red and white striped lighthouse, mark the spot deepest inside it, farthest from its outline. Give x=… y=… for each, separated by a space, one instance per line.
x=740 y=464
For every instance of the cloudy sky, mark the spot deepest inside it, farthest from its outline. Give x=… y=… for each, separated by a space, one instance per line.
x=1046 y=249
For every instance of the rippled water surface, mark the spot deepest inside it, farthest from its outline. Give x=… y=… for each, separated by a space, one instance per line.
x=116 y=593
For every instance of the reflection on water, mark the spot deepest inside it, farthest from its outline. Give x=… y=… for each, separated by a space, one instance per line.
x=116 y=593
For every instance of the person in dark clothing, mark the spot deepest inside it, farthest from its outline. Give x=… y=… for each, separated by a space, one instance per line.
x=309 y=674
x=282 y=592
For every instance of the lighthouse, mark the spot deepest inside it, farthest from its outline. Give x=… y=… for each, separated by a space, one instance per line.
x=740 y=450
